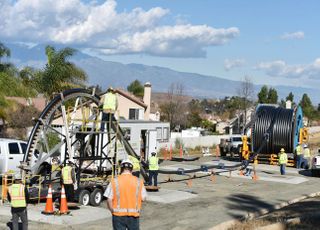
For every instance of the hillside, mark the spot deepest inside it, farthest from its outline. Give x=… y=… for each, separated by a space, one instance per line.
x=106 y=73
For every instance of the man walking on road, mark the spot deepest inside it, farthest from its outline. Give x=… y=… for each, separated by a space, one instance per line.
x=18 y=196
x=283 y=160
x=124 y=195
x=153 y=169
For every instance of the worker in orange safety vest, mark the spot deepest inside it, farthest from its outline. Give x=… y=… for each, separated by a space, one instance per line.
x=124 y=196
x=18 y=196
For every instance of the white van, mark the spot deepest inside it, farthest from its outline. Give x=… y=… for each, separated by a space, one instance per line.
x=11 y=153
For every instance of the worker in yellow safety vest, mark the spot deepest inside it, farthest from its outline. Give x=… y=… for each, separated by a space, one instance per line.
x=306 y=155
x=124 y=196
x=136 y=166
x=283 y=160
x=18 y=196
x=109 y=107
x=68 y=180
x=299 y=155
x=153 y=163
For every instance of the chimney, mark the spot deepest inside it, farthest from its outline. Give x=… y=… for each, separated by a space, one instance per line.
x=147 y=99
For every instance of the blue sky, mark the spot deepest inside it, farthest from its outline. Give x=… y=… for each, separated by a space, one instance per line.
x=272 y=42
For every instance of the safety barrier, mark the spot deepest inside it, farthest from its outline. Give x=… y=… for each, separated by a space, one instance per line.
x=274 y=160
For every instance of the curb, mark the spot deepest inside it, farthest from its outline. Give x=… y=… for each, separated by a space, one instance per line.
x=263 y=211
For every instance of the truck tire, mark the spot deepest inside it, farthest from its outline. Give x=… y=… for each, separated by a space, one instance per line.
x=96 y=197
x=84 y=197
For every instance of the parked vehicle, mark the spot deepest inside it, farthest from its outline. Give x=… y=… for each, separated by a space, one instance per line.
x=315 y=165
x=11 y=153
x=231 y=145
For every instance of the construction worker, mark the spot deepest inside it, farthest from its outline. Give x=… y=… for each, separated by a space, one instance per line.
x=299 y=155
x=124 y=196
x=68 y=180
x=283 y=160
x=109 y=106
x=306 y=155
x=136 y=166
x=245 y=155
x=153 y=163
x=18 y=196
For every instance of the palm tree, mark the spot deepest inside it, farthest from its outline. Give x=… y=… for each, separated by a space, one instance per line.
x=4 y=52
x=60 y=74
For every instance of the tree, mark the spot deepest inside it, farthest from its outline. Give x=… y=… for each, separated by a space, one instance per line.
x=272 y=96
x=4 y=52
x=245 y=92
x=263 y=95
x=174 y=109
x=193 y=118
x=307 y=106
x=59 y=74
x=136 y=88
x=290 y=97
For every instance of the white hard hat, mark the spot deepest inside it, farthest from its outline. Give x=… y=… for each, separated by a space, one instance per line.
x=126 y=164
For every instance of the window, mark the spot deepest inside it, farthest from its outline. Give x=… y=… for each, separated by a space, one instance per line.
x=24 y=147
x=136 y=114
x=159 y=133
x=133 y=114
x=14 y=148
x=165 y=133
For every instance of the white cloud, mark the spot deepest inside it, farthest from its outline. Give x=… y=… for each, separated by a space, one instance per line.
x=280 y=68
x=235 y=63
x=102 y=28
x=294 y=35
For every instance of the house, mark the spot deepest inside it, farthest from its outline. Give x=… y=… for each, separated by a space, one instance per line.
x=131 y=107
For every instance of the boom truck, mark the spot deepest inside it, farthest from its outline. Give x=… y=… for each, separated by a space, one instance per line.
x=68 y=130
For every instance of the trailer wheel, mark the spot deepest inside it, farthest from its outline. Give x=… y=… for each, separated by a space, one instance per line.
x=84 y=197
x=96 y=197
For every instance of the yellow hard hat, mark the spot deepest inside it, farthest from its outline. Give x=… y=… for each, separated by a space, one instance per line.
x=282 y=150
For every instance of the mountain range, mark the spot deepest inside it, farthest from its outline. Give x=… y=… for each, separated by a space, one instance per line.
x=107 y=73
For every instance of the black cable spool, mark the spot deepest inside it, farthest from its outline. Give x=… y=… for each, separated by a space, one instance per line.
x=277 y=123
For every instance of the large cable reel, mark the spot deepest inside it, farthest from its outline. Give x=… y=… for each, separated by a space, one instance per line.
x=275 y=127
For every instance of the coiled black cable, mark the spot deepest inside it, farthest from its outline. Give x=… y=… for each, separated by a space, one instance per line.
x=274 y=125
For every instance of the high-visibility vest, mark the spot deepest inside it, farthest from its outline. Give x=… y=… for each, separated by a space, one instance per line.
x=283 y=159
x=66 y=175
x=127 y=197
x=18 y=198
x=299 y=150
x=135 y=162
x=153 y=163
x=306 y=152
x=110 y=102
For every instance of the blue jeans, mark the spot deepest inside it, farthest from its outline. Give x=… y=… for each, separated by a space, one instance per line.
x=153 y=174
x=283 y=169
x=299 y=159
x=125 y=223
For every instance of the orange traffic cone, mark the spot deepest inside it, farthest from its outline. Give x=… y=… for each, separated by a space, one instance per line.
x=189 y=183
x=49 y=204
x=255 y=177
x=63 y=202
x=181 y=153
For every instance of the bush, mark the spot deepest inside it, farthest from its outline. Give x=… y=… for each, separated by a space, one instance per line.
x=178 y=142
